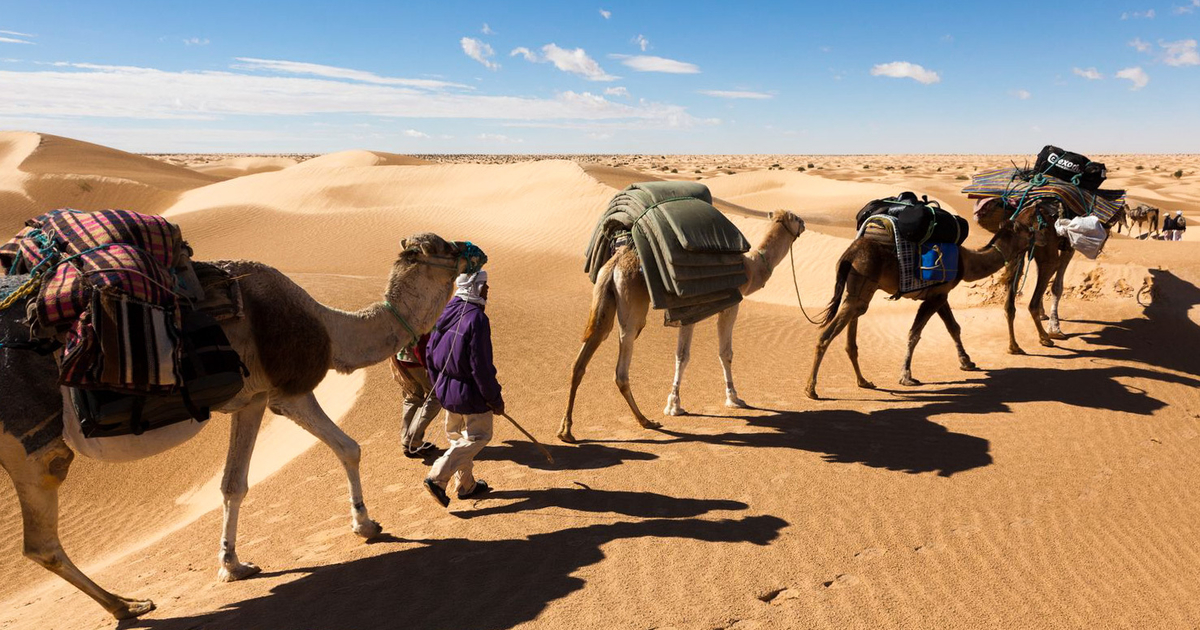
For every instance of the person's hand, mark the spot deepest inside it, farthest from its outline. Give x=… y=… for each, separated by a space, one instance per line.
x=497 y=408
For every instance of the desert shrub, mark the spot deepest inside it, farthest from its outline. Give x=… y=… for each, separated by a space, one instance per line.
x=1178 y=174
x=962 y=177
x=800 y=168
x=810 y=165
x=674 y=170
x=1140 y=167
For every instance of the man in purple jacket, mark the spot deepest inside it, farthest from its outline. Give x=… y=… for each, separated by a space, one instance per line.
x=459 y=361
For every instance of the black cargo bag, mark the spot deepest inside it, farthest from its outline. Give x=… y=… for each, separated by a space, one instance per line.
x=918 y=220
x=1070 y=167
x=211 y=371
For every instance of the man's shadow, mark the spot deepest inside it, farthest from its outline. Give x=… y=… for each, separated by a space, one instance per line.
x=478 y=584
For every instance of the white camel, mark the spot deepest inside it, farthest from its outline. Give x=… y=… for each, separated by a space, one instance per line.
x=620 y=294
x=287 y=339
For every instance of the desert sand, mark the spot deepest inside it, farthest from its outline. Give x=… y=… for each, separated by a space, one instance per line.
x=1057 y=489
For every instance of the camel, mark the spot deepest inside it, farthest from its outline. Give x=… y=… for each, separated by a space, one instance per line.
x=620 y=293
x=1140 y=216
x=1052 y=253
x=288 y=341
x=869 y=265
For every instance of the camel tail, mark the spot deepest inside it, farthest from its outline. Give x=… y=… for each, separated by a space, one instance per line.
x=604 y=305
x=839 y=288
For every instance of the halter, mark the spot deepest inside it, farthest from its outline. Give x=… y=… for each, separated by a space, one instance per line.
x=783 y=222
x=471 y=253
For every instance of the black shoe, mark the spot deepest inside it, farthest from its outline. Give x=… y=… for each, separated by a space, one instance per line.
x=425 y=449
x=481 y=487
x=437 y=493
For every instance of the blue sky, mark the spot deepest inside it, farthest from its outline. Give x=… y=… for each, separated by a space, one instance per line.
x=607 y=77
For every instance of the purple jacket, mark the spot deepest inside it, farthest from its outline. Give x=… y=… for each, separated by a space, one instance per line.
x=459 y=359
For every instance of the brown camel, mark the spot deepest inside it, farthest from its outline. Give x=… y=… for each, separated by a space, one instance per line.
x=869 y=265
x=1140 y=216
x=1052 y=253
x=288 y=340
x=620 y=293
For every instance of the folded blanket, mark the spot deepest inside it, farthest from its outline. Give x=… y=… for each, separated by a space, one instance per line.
x=1019 y=186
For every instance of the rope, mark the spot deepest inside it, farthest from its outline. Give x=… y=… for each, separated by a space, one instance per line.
x=792 y=260
x=25 y=290
x=393 y=311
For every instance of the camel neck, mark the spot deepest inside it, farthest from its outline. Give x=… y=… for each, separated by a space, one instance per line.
x=761 y=261
x=979 y=264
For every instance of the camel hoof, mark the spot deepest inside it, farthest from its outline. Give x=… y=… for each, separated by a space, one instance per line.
x=1047 y=342
x=909 y=381
x=674 y=410
x=646 y=424
x=865 y=384
x=565 y=436
x=131 y=608
x=1056 y=334
x=812 y=393
x=1015 y=350
x=368 y=529
x=969 y=367
x=736 y=403
x=240 y=571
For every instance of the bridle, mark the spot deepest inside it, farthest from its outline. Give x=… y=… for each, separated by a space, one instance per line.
x=471 y=253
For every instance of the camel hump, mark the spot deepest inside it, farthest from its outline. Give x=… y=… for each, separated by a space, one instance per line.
x=294 y=349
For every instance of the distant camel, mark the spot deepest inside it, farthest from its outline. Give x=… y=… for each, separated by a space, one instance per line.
x=620 y=293
x=288 y=340
x=1140 y=216
x=869 y=265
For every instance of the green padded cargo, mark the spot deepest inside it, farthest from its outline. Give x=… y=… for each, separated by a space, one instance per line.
x=691 y=254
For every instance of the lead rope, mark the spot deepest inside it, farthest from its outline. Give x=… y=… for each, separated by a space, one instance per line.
x=792 y=260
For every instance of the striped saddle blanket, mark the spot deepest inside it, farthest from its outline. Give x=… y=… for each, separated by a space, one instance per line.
x=882 y=228
x=109 y=287
x=1019 y=186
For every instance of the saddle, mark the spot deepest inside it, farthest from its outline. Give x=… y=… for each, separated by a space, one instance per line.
x=925 y=237
x=917 y=220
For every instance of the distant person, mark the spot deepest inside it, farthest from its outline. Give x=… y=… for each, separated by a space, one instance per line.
x=420 y=406
x=460 y=367
x=1168 y=227
x=1180 y=225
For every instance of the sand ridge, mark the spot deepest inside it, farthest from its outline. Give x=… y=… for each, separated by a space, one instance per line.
x=1050 y=490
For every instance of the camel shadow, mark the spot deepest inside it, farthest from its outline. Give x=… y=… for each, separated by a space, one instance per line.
x=584 y=457
x=460 y=583
x=585 y=499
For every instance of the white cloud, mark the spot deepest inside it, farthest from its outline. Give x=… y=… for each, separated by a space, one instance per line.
x=1139 y=45
x=1138 y=15
x=196 y=41
x=574 y=61
x=329 y=72
x=1136 y=75
x=91 y=91
x=487 y=30
x=649 y=63
x=13 y=40
x=1187 y=8
x=642 y=42
x=906 y=70
x=1180 y=53
x=496 y=137
x=616 y=91
x=605 y=14
x=735 y=94
x=1024 y=95
x=1091 y=74
x=17 y=34
x=413 y=133
x=479 y=51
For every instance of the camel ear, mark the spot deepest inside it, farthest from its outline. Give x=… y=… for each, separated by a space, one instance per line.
x=771 y=215
x=403 y=244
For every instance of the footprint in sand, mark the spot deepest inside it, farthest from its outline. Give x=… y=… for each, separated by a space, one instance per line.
x=844 y=580
x=870 y=553
x=930 y=548
x=778 y=596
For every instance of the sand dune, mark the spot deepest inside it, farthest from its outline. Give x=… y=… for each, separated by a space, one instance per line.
x=1049 y=490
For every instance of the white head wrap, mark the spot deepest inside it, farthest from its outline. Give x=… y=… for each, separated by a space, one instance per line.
x=1178 y=212
x=467 y=287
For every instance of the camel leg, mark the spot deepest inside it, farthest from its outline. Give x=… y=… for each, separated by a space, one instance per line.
x=36 y=479
x=1011 y=277
x=926 y=310
x=853 y=308
x=725 y=321
x=307 y=412
x=1056 y=291
x=600 y=323
x=683 y=354
x=1037 y=308
x=631 y=321
x=964 y=360
x=852 y=351
x=243 y=433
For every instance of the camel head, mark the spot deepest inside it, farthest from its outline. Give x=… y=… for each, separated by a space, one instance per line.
x=789 y=221
x=434 y=251
x=1033 y=222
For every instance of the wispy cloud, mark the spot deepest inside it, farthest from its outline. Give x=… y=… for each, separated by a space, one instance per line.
x=114 y=92
x=479 y=51
x=328 y=72
x=736 y=94
x=1090 y=74
x=906 y=70
x=1180 y=53
x=1023 y=95
x=650 y=63
x=1139 y=15
x=413 y=133
x=17 y=33
x=1187 y=8
x=196 y=41
x=497 y=137
x=17 y=37
x=616 y=91
x=487 y=30
x=605 y=14
x=1139 y=45
x=1136 y=75
x=573 y=61
x=642 y=42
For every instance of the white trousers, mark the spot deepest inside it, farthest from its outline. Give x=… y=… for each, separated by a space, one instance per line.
x=467 y=434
